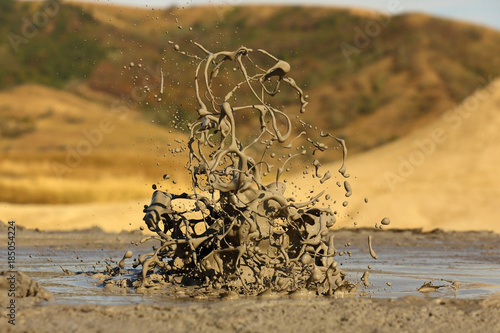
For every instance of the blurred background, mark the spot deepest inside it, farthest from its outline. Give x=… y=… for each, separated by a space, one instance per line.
x=86 y=128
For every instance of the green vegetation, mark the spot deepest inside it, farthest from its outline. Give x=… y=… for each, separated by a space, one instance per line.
x=6 y=9
x=49 y=43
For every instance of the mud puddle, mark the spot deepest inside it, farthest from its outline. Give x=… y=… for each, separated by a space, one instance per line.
x=45 y=267
x=408 y=270
x=398 y=272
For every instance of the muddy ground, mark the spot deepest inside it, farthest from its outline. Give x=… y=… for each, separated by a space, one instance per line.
x=38 y=311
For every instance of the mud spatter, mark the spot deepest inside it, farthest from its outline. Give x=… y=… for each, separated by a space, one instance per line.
x=428 y=286
x=235 y=234
x=370 y=248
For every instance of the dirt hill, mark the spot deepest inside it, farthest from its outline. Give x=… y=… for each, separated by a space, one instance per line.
x=403 y=78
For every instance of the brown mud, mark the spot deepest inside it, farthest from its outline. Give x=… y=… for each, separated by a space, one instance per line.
x=27 y=291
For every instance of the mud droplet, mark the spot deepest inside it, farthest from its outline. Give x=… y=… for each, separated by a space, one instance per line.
x=372 y=253
x=364 y=279
x=348 y=189
x=127 y=255
x=342 y=169
x=325 y=177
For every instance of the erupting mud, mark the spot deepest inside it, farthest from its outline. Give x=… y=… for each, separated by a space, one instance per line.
x=234 y=232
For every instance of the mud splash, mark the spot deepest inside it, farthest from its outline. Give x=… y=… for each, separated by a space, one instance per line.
x=234 y=232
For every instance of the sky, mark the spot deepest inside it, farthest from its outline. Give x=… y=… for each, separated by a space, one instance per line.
x=484 y=12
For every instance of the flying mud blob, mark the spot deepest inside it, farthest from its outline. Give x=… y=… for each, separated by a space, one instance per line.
x=235 y=232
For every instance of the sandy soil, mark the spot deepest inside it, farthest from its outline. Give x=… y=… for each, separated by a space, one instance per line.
x=320 y=315
x=410 y=314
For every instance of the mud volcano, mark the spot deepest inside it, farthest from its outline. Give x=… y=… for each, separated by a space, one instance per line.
x=234 y=232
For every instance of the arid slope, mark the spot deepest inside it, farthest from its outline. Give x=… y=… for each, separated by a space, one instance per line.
x=58 y=147
x=444 y=175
